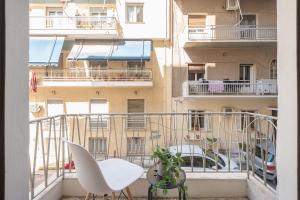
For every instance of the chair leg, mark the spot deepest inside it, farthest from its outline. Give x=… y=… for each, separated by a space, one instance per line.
x=113 y=196
x=129 y=193
x=88 y=195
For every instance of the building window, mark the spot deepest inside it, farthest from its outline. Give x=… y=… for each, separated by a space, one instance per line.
x=248 y=25
x=98 y=16
x=98 y=11
x=99 y=106
x=96 y=69
x=273 y=69
x=97 y=145
x=196 y=120
x=196 y=72
x=247 y=119
x=246 y=72
x=53 y=17
x=135 y=146
x=197 y=21
x=135 y=65
x=135 y=106
x=134 y=13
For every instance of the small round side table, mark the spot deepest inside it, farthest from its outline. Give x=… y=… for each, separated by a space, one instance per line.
x=153 y=177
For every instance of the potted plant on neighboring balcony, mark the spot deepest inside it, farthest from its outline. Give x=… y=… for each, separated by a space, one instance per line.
x=168 y=167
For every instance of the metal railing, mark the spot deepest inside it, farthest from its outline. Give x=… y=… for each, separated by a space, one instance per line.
x=95 y=75
x=216 y=87
x=229 y=142
x=72 y=23
x=227 y=32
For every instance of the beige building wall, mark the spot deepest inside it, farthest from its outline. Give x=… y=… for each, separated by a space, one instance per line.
x=221 y=58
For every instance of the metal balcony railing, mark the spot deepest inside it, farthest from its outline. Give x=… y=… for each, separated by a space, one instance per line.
x=262 y=87
x=230 y=142
x=95 y=75
x=72 y=23
x=227 y=33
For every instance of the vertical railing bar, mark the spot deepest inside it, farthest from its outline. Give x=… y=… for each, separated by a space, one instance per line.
x=43 y=152
x=84 y=133
x=78 y=130
x=55 y=147
x=48 y=150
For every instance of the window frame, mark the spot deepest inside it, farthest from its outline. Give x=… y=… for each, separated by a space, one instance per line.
x=96 y=141
x=142 y=118
x=105 y=120
x=127 y=21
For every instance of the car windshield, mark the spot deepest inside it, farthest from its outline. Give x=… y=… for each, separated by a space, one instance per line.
x=199 y=161
x=214 y=156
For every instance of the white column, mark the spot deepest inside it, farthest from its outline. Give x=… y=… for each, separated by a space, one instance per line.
x=287 y=100
x=16 y=101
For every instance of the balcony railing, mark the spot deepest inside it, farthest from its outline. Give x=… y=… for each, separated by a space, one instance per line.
x=95 y=75
x=262 y=87
x=228 y=33
x=231 y=142
x=72 y=23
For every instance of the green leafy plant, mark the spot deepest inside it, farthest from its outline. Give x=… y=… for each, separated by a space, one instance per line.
x=171 y=166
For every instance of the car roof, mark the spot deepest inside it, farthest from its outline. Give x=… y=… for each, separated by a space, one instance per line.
x=186 y=149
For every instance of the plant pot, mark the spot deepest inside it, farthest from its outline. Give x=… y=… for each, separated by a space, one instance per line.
x=159 y=167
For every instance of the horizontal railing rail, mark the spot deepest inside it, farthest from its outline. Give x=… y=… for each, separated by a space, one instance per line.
x=214 y=87
x=227 y=32
x=211 y=142
x=95 y=75
x=71 y=23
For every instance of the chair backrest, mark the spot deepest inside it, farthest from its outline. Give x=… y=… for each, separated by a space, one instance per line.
x=89 y=174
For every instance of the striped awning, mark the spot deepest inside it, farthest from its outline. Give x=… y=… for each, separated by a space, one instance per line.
x=45 y=51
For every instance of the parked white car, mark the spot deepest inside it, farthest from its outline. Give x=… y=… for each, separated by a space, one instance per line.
x=195 y=158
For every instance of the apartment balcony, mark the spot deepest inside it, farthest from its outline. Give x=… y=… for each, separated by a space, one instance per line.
x=228 y=88
x=76 y=26
x=95 y=78
x=231 y=36
x=232 y=141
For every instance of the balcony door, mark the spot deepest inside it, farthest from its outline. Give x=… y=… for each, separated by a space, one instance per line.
x=197 y=26
x=247 y=73
x=135 y=106
x=99 y=16
x=135 y=69
x=248 y=27
x=54 y=15
x=196 y=72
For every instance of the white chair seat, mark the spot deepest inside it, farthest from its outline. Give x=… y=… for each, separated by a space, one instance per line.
x=119 y=173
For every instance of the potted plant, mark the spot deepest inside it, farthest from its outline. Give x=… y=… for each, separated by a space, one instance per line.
x=168 y=168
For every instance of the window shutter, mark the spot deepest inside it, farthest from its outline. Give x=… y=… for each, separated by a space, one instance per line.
x=207 y=121
x=136 y=106
x=197 y=20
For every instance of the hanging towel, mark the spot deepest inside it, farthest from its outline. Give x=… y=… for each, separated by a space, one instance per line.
x=215 y=86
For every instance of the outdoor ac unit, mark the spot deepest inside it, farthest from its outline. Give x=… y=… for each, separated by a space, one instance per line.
x=228 y=110
x=232 y=4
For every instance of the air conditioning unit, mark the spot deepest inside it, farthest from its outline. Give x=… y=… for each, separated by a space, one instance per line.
x=232 y=4
x=228 y=110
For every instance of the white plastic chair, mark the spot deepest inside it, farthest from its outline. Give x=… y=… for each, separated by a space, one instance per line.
x=104 y=177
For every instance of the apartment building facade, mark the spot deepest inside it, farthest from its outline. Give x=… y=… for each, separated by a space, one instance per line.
x=117 y=57
x=225 y=57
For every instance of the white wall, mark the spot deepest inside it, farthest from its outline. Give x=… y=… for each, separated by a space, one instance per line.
x=287 y=100
x=155 y=16
x=16 y=101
